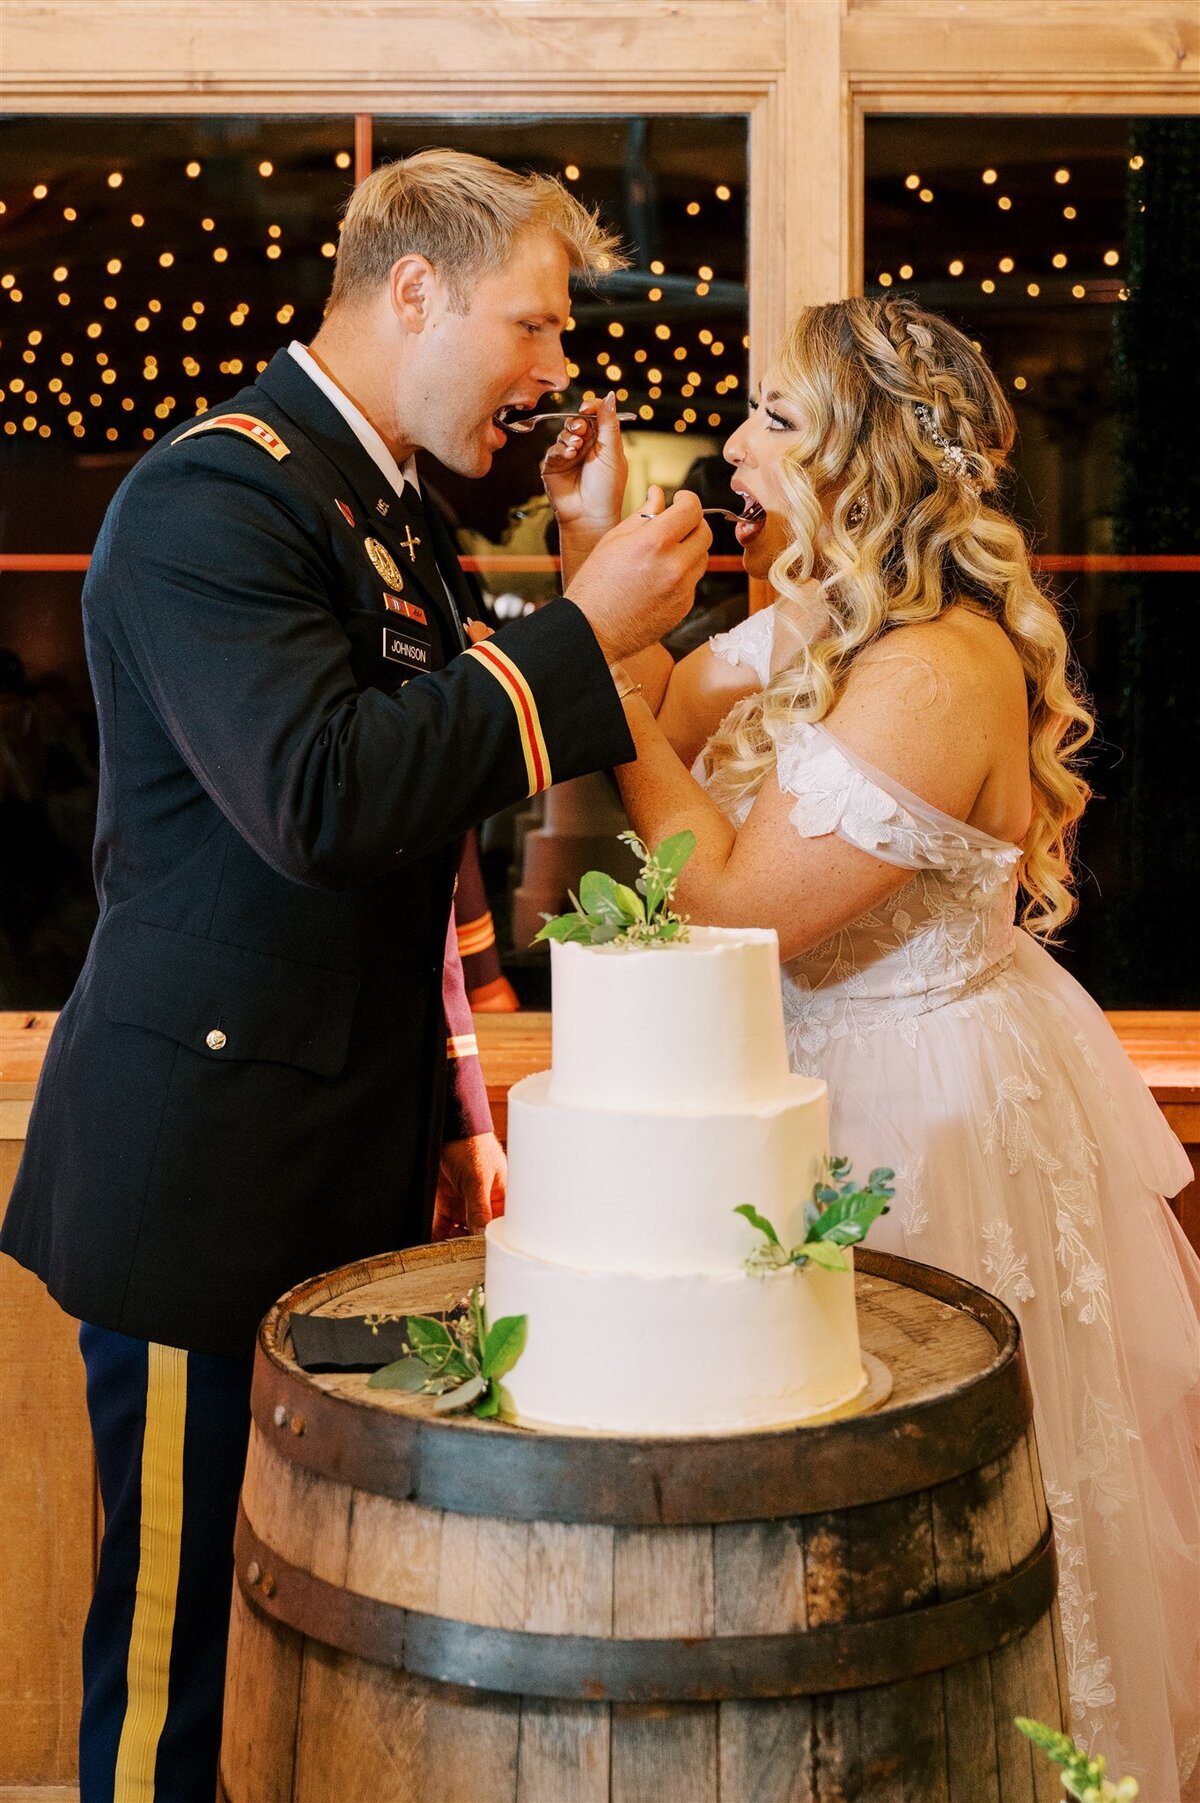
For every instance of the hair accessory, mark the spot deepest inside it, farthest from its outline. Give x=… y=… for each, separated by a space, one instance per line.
x=856 y=513
x=954 y=458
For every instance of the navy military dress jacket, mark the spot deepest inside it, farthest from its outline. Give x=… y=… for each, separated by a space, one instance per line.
x=247 y=1084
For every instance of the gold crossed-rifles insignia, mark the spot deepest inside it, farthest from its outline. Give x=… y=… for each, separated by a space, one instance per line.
x=384 y=563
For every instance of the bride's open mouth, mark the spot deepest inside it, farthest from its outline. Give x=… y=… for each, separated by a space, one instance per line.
x=754 y=518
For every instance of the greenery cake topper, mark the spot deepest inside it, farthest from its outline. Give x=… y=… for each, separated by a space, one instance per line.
x=611 y=913
x=839 y=1215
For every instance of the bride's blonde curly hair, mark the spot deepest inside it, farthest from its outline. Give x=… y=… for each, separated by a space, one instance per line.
x=885 y=394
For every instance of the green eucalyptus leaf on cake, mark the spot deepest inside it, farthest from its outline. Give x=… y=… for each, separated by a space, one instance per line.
x=428 y=1337
x=404 y=1374
x=504 y=1344
x=600 y=900
x=760 y=1222
x=461 y=1397
x=671 y=856
x=825 y=1253
x=882 y=1174
x=848 y=1220
x=565 y=928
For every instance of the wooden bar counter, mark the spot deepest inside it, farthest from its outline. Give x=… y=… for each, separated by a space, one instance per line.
x=48 y=1501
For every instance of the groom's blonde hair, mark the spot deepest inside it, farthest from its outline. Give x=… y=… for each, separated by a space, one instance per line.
x=466 y=215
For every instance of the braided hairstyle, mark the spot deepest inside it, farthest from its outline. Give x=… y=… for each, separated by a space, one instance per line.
x=903 y=436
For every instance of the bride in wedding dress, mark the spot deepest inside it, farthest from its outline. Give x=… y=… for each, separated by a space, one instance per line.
x=883 y=766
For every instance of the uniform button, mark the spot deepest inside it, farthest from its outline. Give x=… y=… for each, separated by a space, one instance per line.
x=215 y=1040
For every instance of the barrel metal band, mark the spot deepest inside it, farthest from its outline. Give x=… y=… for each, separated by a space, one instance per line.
x=485 y=1468
x=836 y=1656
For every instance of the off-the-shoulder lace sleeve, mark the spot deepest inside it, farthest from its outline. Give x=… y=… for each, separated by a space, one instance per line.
x=749 y=643
x=835 y=792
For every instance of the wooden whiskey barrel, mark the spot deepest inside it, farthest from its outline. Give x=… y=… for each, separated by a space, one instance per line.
x=444 y=1608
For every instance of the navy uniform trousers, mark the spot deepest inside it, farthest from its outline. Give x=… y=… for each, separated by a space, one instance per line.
x=170 y=1430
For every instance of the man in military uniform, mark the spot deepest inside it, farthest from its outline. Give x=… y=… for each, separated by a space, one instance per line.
x=249 y=1082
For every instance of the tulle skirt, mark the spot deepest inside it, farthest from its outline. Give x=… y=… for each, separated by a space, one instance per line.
x=1032 y=1159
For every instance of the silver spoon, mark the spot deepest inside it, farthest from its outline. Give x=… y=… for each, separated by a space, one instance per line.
x=527 y=425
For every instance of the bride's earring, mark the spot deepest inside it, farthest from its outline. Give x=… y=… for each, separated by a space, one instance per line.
x=856 y=513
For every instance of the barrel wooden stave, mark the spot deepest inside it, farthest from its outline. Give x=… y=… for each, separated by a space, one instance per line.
x=306 y=1720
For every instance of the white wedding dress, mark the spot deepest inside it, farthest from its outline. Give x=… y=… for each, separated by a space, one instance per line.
x=1030 y=1158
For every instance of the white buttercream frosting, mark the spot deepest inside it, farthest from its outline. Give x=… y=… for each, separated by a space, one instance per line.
x=680 y=1027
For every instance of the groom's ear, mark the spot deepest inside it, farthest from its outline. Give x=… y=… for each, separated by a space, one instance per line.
x=412 y=284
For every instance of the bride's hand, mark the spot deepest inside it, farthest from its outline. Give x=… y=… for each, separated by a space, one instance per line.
x=585 y=476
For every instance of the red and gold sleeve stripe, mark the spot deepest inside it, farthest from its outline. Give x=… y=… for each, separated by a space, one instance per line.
x=476 y=936
x=513 y=682
x=462 y=1045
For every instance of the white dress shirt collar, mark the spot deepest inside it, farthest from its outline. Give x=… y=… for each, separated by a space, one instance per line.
x=358 y=422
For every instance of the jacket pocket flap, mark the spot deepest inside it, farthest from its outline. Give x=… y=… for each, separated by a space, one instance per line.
x=225 y=1002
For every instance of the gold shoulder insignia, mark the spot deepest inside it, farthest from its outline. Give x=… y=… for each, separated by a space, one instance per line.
x=247 y=425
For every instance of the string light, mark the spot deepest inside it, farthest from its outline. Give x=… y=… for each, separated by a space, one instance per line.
x=956 y=268
x=138 y=219
x=1006 y=265
x=906 y=272
x=722 y=192
x=343 y=159
x=1112 y=258
x=1069 y=213
x=693 y=207
x=1059 y=260
x=658 y=269
x=571 y=172
x=192 y=170
x=1062 y=176
x=1137 y=162
x=912 y=181
x=885 y=280
x=1033 y=289
x=41 y=191
x=1004 y=204
x=115 y=179
x=1079 y=291
x=1019 y=382
x=69 y=213
x=265 y=168
x=616 y=329
x=989 y=176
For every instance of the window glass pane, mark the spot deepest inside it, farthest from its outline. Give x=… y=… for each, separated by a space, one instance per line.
x=1067 y=248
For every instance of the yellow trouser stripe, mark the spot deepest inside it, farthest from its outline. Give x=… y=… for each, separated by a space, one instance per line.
x=149 y=1660
x=462 y=1045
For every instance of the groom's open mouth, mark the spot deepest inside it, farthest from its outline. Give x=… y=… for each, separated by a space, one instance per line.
x=753 y=518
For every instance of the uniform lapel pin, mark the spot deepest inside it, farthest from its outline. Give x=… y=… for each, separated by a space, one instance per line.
x=381 y=507
x=345 y=513
x=411 y=543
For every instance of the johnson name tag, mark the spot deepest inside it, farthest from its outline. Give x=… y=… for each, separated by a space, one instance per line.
x=400 y=650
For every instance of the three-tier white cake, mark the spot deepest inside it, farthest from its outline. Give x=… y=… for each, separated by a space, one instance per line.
x=669 y=1103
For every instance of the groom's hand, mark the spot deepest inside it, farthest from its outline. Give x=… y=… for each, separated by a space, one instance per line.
x=472 y=1182
x=641 y=578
